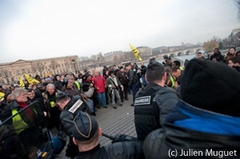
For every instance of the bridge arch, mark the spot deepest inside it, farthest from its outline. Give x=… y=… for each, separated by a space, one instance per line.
x=198 y=50
x=171 y=55
x=188 y=52
x=179 y=54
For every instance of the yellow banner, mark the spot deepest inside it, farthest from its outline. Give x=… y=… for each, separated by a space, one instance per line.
x=21 y=83
x=30 y=79
x=135 y=52
x=2 y=95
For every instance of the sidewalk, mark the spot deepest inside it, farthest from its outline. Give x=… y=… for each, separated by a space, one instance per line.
x=116 y=121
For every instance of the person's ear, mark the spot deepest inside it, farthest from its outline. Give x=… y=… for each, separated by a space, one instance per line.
x=99 y=131
x=74 y=141
x=166 y=76
x=146 y=78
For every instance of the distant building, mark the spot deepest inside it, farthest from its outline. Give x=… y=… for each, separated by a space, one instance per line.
x=11 y=72
x=115 y=57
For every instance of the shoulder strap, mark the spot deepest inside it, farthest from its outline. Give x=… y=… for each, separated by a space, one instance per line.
x=114 y=83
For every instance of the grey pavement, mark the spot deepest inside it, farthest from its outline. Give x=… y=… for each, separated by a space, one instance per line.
x=114 y=121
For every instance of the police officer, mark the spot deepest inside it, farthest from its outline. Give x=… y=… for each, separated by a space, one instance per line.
x=86 y=134
x=70 y=106
x=154 y=101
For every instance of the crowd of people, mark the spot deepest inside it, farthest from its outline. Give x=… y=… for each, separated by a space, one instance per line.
x=191 y=107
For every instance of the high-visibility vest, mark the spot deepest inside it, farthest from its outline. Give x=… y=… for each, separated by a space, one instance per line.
x=173 y=81
x=181 y=68
x=18 y=123
x=78 y=85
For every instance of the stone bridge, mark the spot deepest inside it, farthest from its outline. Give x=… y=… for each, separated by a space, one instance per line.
x=181 y=52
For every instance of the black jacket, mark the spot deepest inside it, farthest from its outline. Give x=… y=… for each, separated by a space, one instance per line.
x=68 y=116
x=219 y=57
x=151 y=105
x=171 y=140
x=166 y=99
x=118 y=150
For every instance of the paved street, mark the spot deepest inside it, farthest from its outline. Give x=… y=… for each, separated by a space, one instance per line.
x=114 y=121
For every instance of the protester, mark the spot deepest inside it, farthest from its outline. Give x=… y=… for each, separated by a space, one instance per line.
x=57 y=82
x=143 y=69
x=99 y=84
x=217 y=56
x=200 y=56
x=234 y=62
x=134 y=76
x=19 y=100
x=206 y=122
x=165 y=58
x=24 y=123
x=123 y=78
x=50 y=103
x=114 y=88
x=230 y=54
x=70 y=86
x=177 y=64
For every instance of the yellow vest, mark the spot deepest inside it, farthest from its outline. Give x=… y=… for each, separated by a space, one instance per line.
x=17 y=122
x=78 y=85
x=173 y=81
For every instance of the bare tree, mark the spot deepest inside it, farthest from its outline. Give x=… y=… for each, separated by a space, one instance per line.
x=238 y=7
x=211 y=44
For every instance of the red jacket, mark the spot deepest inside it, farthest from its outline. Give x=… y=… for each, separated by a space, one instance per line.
x=99 y=83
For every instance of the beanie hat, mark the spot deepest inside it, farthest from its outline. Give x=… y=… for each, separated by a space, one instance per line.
x=85 y=126
x=211 y=86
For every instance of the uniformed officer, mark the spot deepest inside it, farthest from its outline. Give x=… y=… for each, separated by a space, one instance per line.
x=86 y=134
x=70 y=106
x=153 y=101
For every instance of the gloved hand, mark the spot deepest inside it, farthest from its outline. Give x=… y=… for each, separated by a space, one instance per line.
x=123 y=137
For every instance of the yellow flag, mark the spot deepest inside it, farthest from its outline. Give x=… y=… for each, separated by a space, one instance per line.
x=30 y=79
x=135 y=52
x=2 y=95
x=21 y=83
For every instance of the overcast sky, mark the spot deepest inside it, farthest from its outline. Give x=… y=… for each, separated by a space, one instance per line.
x=51 y=28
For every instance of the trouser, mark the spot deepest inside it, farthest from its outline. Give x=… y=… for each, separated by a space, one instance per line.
x=115 y=93
x=102 y=99
x=95 y=99
x=124 y=93
x=144 y=82
x=106 y=95
x=135 y=89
